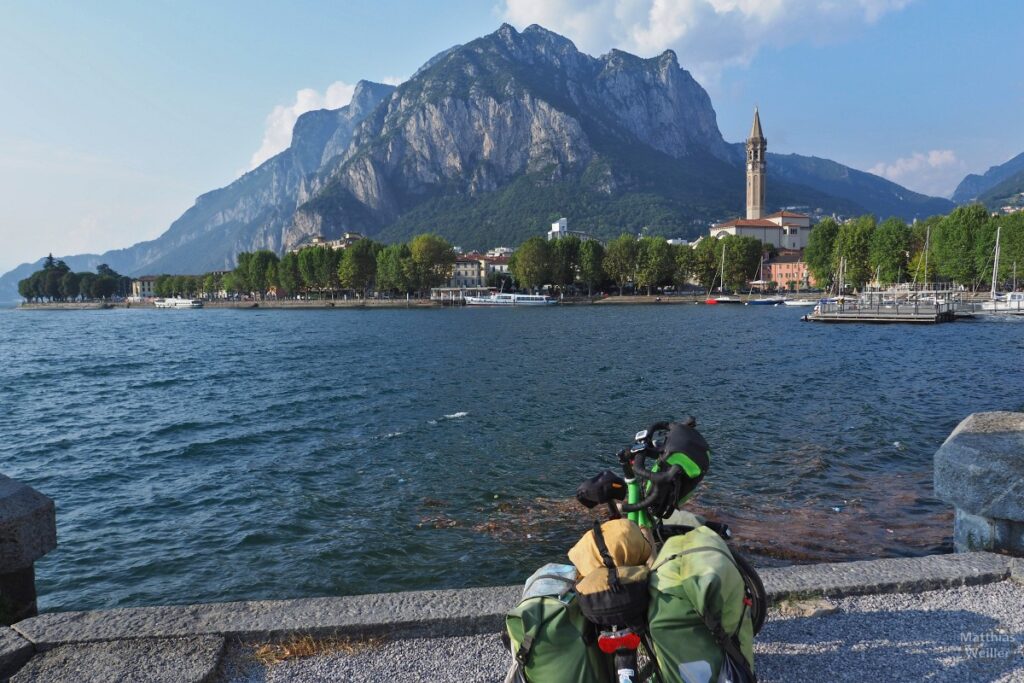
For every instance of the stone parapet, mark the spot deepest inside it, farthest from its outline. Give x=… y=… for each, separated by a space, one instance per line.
x=980 y=471
x=28 y=530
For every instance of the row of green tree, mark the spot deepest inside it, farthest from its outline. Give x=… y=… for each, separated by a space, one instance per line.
x=958 y=247
x=647 y=262
x=55 y=282
x=425 y=261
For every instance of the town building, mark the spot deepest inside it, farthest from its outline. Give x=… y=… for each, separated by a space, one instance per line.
x=560 y=228
x=143 y=287
x=783 y=229
x=789 y=271
x=344 y=242
x=476 y=270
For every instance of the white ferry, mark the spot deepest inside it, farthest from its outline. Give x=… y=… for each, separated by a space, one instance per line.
x=507 y=299
x=178 y=302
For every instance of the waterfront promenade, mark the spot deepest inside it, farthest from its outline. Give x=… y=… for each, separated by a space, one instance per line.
x=944 y=617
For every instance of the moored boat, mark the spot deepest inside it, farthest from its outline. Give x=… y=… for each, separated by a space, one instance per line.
x=510 y=299
x=178 y=302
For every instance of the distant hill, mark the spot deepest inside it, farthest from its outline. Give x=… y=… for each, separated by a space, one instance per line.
x=974 y=186
x=1007 y=191
x=489 y=142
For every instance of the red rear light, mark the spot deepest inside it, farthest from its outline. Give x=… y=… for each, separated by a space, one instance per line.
x=620 y=640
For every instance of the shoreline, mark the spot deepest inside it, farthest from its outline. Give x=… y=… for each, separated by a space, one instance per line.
x=286 y=304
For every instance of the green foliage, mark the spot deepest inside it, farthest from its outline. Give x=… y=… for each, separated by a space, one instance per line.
x=685 y=265
x=620 y=259
x=853 y=243
x=432 y=259
x=531 y=264
x=655 y=262
x=890 y=251
x=358 y=266
x=960 y=245
x=288 y=275
x=394 y=265
x=707 y=262
x=565 y=260
x=820 y=246
x=742 y=258
x=591 y=264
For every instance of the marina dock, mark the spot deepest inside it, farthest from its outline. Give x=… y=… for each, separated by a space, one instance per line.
x=902 y=304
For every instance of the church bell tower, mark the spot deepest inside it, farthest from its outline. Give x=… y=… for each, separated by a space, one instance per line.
x=756 y=147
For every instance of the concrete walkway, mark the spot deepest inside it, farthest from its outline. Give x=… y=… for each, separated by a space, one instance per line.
x=962 y=634
x=453 y=631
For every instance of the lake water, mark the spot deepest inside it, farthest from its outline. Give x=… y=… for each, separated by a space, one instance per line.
x=216 y=455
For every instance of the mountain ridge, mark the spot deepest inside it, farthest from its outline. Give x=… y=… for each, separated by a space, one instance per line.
x=486 y=142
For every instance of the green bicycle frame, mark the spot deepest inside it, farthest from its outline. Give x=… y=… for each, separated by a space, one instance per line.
x=640 y=517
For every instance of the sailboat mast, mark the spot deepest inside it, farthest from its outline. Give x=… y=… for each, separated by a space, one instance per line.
x=927 y=239
x=995 y=264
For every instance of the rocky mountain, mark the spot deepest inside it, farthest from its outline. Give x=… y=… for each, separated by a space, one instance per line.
x=973 y=186
x=486 y=144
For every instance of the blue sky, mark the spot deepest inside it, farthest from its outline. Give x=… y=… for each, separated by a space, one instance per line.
x=116 y=115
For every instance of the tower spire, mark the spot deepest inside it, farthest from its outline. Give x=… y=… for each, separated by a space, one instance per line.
x=755 y=130
x=756 y=169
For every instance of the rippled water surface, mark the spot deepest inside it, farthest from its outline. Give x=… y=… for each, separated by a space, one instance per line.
x=217 y=455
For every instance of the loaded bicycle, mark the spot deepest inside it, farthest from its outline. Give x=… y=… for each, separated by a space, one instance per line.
x=651 y=496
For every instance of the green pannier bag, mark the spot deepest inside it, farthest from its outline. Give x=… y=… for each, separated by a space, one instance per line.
x=550 y=639
x=697 y=615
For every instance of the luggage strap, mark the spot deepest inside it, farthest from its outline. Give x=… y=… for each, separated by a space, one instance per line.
x=728 y=644
x=698 y=549
x=602 y=547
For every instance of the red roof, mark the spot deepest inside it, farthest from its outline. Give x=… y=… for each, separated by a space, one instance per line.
x=788 y=214
x=748 y=223
x=787 y=258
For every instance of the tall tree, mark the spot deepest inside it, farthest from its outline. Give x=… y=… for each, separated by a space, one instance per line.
x=69 y=285
x=288 y=274
x=394 y=263
x=654 y=262
x=685 y=263
x=620 y=259
x=890 y=251
x=707 y=262
x=358 y=266
x=956 y=240
x=742 y=257
x=432 y=261
x=820 y=246
x=853 y=243
x=565 y=260
x=591 y=269
x=531 y=263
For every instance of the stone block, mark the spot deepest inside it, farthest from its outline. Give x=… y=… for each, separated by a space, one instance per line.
x=177 y=660
x=974 y=532
x=28 y=525
x=980 y=467
x=14 y=651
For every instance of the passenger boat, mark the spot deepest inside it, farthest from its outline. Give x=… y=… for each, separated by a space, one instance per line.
x=178 y=302
x=509 y=299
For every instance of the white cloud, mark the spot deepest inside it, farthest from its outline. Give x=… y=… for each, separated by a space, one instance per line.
x=708 y=35
x=935 y=172
x=277 y=134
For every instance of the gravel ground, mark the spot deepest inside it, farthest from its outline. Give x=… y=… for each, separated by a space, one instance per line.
x=963 y=634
